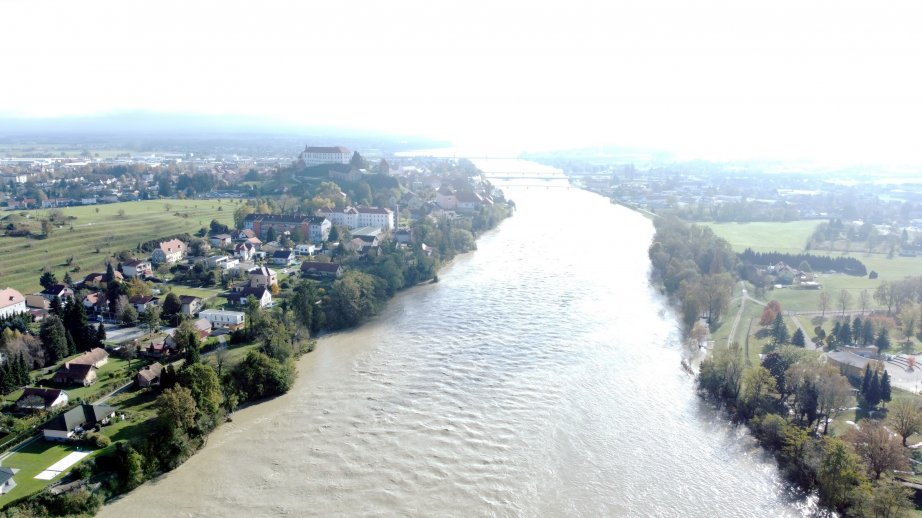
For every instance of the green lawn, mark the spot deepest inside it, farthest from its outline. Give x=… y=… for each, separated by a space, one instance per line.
x=179 y=289
x=22 y=259
x=32 y=460
x=767 y=236
x=39 y=455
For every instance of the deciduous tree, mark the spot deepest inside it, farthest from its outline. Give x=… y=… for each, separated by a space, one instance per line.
x=879 y=449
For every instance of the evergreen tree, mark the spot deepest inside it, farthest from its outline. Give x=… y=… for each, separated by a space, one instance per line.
x=67 y=280
x=100 y=332
x=47 y=280
x=866 y=382
x=56 y=307
x=779 y=330
x=54 y=338
x=23 y=368
x=71 y=344
x=867 y=334
x=5 y=386
x=883 y=340
x=846 y=333
x=76 y=323
x=872 y=397
x=857 y=329
x=885 y=389
x=110 y=273
x=798 y=338
x=193 y=355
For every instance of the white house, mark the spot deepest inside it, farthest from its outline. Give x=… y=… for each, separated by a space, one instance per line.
x=223 y=262
x=223 y=318
x=11 y=302
x=306 y=249
x=245 y=251
x=169 y=252
x=137 y=269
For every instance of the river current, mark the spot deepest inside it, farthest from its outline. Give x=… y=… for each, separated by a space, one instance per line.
x=540 y=377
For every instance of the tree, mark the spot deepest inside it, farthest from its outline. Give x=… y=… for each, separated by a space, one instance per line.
x=129 y=315
x=798 y=339
x=720 y=375
x=151 y=319
x=889 y=499
x=839 y=475
x=768 y=316
x=171 y=305
x=47 y=228
x=758 y=385
x=110 y=273
x=905 y=418
x=779 y=330
x=833 y=394
x=824 y=302
x=864 y=300
x=877 y=447
x=260 y=376
x=202 y=382
x=845 y=298
x=883 y=340
x=885 y=388
x=885 y=295
x=54 y=338
x=872 y=396
x=241 y=213
x=47 y=280
x=100 y=333
x=176 y=408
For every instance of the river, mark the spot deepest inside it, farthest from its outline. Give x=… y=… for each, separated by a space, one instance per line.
x=540 y=377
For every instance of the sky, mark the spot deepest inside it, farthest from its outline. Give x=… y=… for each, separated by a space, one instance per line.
x=833 y=80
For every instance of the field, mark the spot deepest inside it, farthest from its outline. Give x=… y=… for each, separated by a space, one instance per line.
x=102 y=228
x=766 y=236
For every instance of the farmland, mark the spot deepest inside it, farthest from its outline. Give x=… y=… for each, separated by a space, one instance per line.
x=94 y=233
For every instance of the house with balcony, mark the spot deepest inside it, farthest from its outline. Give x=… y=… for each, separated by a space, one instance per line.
x=169 y=252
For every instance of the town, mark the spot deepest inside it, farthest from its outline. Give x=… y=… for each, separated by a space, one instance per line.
x=153 y=295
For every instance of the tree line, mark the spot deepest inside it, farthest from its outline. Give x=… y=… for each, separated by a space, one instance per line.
x=847 y=265
x=696 y=268
x=789 y=400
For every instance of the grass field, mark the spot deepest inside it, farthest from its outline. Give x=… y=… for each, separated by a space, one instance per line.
x=22 y=259
x=790 y=237
x=766 y=236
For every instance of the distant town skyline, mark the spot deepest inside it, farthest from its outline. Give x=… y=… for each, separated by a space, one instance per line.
x=717 y=79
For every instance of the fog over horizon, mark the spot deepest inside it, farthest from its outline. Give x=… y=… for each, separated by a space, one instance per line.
x=720 y=80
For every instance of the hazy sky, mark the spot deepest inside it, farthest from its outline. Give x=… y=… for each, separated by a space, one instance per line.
x=714 y=78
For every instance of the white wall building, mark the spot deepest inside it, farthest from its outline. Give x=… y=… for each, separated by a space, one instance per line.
x=220 y=317
x=356 y=217
x=11 y=302
x=314 y=155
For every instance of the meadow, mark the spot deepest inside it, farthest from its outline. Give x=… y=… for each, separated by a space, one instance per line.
x=96 y=232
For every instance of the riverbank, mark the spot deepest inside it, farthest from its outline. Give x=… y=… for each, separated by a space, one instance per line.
x=437 y=404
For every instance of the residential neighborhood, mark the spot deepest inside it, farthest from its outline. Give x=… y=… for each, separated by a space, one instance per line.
x=84 y=359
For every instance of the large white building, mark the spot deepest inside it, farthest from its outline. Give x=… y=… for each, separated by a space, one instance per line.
x=357 y=217
x=223 y=318
x=315 y=155
x=11 y=302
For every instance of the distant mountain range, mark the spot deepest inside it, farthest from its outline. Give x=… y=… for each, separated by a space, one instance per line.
x=182 y=126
